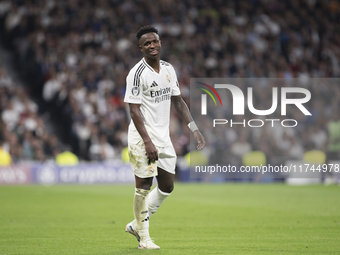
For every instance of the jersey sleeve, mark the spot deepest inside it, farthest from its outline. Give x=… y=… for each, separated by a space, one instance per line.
x=133 y=93
x=175 y=88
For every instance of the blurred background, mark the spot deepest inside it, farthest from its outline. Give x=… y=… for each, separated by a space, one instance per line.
x=63 y=66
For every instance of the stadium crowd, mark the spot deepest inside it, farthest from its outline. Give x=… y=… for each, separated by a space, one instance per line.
x=22 y=132
x=81 y=52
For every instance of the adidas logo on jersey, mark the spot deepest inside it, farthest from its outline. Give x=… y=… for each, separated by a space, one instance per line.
x=154 y=84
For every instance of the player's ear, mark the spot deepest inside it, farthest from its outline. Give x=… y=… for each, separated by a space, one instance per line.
x=139 y=44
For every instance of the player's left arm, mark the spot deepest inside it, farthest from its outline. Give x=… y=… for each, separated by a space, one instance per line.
x=183 y=111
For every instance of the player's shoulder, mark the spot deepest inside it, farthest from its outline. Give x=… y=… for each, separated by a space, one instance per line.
x=138 y=68
x=166 y=64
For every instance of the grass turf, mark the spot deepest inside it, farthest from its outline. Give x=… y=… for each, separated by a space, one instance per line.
x=195 y=219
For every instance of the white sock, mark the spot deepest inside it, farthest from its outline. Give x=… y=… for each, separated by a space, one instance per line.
x=141 y=213
x=155 y=199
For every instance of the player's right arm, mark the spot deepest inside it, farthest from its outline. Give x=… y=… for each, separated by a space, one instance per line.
x=133 y=96
x=137 y=119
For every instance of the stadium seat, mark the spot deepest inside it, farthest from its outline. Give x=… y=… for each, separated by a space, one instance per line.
x=196 y=158
x=307 y=176
x=125 y=155
x=254 y=158
x=5 y=158
x=314 y=157
x=66 y=158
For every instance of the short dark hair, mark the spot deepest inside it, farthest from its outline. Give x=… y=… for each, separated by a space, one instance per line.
x=146 y=29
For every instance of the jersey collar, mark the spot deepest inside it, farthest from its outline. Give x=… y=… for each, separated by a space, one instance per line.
x=147 y=65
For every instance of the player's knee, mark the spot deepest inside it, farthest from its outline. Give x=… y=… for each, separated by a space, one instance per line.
x=144 y=183
x=167 y=188
x=145 y=186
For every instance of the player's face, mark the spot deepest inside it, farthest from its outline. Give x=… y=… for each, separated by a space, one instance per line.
x=150 y=45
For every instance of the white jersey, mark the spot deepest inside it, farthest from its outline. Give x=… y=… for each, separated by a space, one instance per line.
x=153 y=91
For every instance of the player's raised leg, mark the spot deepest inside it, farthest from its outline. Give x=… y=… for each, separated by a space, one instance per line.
x=162 y=191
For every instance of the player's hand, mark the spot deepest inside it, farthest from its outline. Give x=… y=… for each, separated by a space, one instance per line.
x=151 y=151
x=200 y=139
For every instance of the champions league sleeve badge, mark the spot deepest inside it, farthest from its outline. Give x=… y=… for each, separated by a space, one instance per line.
x=135 y=91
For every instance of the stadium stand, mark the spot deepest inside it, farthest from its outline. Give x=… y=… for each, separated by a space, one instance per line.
x=75 y=55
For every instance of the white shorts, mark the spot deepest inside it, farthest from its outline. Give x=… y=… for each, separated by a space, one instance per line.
x=139 y=161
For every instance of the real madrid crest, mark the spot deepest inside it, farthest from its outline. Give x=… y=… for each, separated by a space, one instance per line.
x=168 y=78
x=151 y=170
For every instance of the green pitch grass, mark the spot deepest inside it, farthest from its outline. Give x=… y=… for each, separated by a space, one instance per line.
x=196 y=219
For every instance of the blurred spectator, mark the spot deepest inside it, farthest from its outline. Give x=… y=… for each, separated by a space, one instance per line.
x=52 y=86
x=333 y=149
x=241 y=146
x=102 y=150
x=24 y=132
x=5 y=80
x=10 y=116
